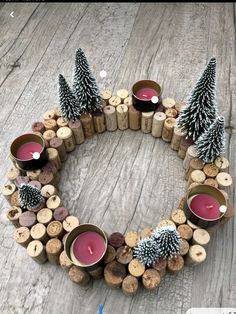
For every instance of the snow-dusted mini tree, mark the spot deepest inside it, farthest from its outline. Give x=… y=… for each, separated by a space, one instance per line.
x=30 y=197
x=212 y=143
x=200 y=111
x=146 y=251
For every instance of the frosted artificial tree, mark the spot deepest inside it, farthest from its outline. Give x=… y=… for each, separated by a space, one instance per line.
x=146 y=251
x=70 y=108
x=30 y=197
x=85 y=87
x=200 y=111
x=212 y=142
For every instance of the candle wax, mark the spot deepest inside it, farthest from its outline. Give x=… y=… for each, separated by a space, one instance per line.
x=146 y=93
x=25 y=151
x=88 y=247
x=205 y=206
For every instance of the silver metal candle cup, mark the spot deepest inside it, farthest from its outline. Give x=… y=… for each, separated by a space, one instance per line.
x=30 y=164
x=203 y=189
x=71 y=238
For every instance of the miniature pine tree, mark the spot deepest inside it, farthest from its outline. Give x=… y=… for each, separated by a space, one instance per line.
x=168 y=242
x=30 y=196
x=212 y=143
x=146 y=251
x=84 y=85
x=69 y=106
x=200 y=111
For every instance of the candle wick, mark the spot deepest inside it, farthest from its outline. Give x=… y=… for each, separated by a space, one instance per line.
x=90 y=250
x=209 y=206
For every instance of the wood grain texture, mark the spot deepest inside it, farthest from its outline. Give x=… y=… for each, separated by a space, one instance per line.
x=133 y=186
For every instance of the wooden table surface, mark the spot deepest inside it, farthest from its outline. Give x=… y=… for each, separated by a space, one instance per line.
x=124 y=180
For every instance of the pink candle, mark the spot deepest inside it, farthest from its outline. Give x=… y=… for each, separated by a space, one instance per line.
x=205 y=206
x=89 y=247
x=146 y=93
x=26 y=150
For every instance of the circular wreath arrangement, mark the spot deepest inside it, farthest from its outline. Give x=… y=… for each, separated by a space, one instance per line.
x=194 y=131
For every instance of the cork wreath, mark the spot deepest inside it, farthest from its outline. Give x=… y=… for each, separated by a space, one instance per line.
x=138 y=258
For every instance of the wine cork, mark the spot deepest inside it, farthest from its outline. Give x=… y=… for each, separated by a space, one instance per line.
x=114 y=274
x=158 y=123
x=106 y=95
x=64 y=261
x=190 y=154
x=201 y=237
x=97 y=273
x=210 y=170
x=192 y=225
x=55 y=229
x=179 y=105
x=122 y=117
x=27 y=219
x=130 y=285
x=15 y=200
x=124 y=255
x=33 y=174
x=110 y=254
x=13 y=214
x=57 y=111
x=47 y=177
x=184 y=247
x=36 y=251
x=51 y=125
x=79 y=276
x=48 y=136
x=171 y=113
x=160 y=108
x=168 y=129
x=87 y=124
x=60 y=213
x=128 y=101
x=48 y=191
x=53 y=156
x=99 y=122
x=21 y=179
x=70 y=223
x=185 y=232
x=39 y=232
x=195 y=164
x=13 y=173
x=110 y=118
x=222 y=163
x=64 y=238
x=58 y=144
x=175 y=264
x=116 y=239
x=165 y=223
x=136 y=268
x=168 y=103
x=44 y=216
x=145 y=233
x=53 y=249
x=151 y=279
x=49 y=115
x=131 y=238
x=77 y=130
x=22 y=236
x=184 y=145
x=122 y=93
x=224 y=180
x=211 y=182
x=146 y=121
x=66 y=135
x=176 y=138
x=38 y=127
x=50 y=167
x=160 y=266
x=61 y=122
x=196 y=255
x=8 y=190
x=114 y=101
x=134 y=118
x=182 y=203
x=178 y=217
x=197 y=176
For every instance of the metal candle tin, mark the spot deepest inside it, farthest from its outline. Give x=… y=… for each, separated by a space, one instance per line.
x=30 y=164
x=74 y=234
x=145 y=105
x=203 y=189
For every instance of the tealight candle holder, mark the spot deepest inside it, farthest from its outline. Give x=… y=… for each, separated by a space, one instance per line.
x=205 y=205
x=28 y=152
x=86 y=246
x=146 y=95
